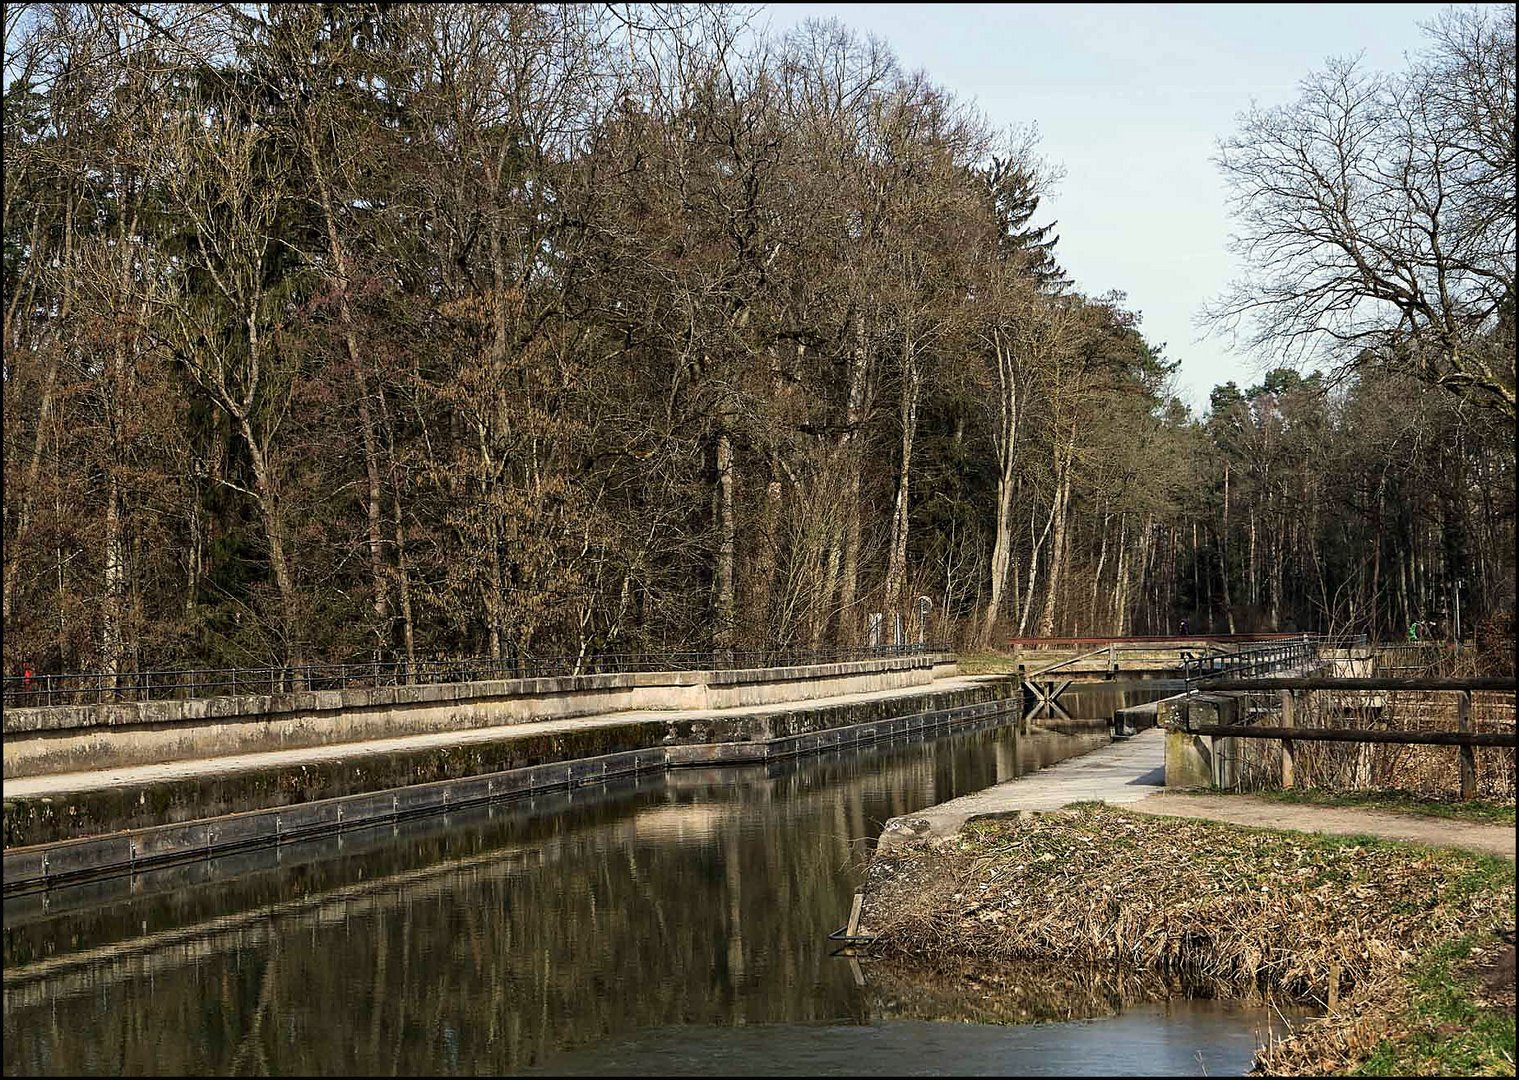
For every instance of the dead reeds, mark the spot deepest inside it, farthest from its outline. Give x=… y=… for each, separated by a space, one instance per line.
x=1327 y=921
x=1432 y=771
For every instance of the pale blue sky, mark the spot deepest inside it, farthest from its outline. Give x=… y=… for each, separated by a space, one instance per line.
x=1130 y=100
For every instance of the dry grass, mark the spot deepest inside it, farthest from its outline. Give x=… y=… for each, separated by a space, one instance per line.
x=1333 y=921
x=1430 y=771
x=988 y=663
x=1450 y=807
x=1433 y=1019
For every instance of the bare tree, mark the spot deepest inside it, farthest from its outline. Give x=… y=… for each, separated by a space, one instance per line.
x=1376 y=214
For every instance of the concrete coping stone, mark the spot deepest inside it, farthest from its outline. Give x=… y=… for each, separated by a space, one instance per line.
x=822 y=671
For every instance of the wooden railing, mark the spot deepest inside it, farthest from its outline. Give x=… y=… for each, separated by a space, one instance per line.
x=1289 y=733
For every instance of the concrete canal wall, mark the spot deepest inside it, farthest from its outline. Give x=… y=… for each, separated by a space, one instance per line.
x=67 y=826
x=62 y=739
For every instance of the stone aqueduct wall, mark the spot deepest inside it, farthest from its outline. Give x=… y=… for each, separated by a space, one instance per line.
x=61 y=739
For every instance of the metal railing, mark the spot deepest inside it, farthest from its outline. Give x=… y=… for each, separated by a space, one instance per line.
x=1416 y=657
x=1143 y=639
x=90 y=688
x=1263 y=658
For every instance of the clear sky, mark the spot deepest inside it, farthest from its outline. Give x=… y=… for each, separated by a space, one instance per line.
x=1130 y=100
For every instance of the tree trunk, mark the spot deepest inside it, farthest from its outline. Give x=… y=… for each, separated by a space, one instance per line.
x=340 y=275
x=1002 y=548
x=849 y=459
x=1223 y=553
x=268 y=504
x=1120 y=579
x=896 y=565
x=1033 y=566
x=722 y=578
x=1057 y=548
x=1057 y=557
x=403 y=579
x=25 y=498
x=1102 y=558
x=766 y=561
x=1006 y=442
x=115 y=579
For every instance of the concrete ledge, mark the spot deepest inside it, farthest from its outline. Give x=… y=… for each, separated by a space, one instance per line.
x=1084 y=766
x=46 y=810
x=1200 y=761
x=129 y=849
x=42 y=741
x=143 y=848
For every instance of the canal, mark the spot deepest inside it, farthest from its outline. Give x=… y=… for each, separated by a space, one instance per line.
x=669 y=924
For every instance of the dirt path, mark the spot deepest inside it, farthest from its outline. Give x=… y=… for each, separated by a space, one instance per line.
x=1336 y=820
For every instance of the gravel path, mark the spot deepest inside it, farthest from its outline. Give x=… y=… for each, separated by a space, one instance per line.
x=1334 y=820
x=1131 y=774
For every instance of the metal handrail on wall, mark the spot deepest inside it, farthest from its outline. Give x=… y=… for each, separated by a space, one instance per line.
x=89 y=688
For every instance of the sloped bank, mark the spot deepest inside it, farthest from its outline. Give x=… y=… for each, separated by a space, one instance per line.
x=1343 y=923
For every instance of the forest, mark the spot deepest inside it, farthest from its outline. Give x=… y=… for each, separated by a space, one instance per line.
x=342 y=331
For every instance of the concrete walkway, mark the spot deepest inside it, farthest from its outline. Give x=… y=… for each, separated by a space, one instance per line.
x=1119 y=773
x=1132 y=774
x=55 y=784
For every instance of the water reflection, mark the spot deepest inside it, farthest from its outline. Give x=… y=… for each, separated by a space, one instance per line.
x=1179 y=1038
x=491 y=940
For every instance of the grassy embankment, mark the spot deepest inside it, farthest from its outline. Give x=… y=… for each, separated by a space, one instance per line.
x=1006 y=663
x=1379 y=934
x=987 y=663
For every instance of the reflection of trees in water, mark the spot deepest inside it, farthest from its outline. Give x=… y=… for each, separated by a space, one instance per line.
x=489 y=944
x=991 y=992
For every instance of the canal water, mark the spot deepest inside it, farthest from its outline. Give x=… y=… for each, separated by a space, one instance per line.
x=673 y=924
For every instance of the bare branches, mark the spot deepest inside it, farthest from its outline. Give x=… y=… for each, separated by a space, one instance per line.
x=1377 y=215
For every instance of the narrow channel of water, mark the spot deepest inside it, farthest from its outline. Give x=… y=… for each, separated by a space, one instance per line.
x=672 y=924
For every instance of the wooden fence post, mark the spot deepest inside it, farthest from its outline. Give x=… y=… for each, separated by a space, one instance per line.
x=1468 y=753
x=1287 y=744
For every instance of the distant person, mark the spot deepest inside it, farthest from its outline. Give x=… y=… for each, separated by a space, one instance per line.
x=1186 y=627
x=1413 y=631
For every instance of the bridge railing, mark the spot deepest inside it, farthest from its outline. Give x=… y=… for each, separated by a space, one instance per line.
x=1415 y=658
x=1263 y=658
x=1145 y=639
x=89 y=688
